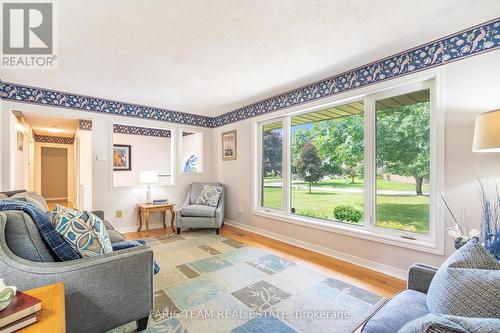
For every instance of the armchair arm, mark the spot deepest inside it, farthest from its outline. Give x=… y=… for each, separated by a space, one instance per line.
x=220 y=211
x=420 y=277
x=102 y=292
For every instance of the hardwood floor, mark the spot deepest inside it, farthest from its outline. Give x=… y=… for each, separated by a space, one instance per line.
x=375 y=282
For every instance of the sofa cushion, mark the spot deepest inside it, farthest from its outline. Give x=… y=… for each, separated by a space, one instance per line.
x=198 y=211
x=24 y=239
x=33 y=198
x=209 y=196
x=115 y=236
x=465 y=284
x=3 y=196
x=432 y=323
x=84 y=231
x=401 y=309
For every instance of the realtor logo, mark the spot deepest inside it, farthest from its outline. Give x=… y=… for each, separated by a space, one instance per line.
x=28 y=35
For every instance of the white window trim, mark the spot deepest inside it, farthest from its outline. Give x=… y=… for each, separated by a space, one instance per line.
x=432 y=243
x=180 y=171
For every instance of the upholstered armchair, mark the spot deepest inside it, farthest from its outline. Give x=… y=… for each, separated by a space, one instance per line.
x=191 y=215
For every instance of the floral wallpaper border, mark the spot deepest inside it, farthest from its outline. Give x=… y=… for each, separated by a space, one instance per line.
x=473 y=41
x=137 y=130
x=53 y=139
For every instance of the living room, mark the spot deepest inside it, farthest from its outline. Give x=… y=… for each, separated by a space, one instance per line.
x=280 y=166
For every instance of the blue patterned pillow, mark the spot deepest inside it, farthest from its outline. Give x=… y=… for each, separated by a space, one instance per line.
x=84 y=231
x=467 y=284
x=209 y=196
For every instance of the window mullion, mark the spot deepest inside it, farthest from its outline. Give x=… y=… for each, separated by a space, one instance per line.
x=286 y=164
x=369 y=162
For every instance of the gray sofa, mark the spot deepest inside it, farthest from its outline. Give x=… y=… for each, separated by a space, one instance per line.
x=190 y=215
x=101 y=292
x=405 y=306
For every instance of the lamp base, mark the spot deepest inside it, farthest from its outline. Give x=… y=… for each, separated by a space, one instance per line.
x=149 y=195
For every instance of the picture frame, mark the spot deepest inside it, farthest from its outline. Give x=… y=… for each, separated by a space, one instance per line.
x=229 y=145
x=122 y=157
x=20 y=140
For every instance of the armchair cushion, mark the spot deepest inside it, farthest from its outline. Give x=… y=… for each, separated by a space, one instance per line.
x=196 y=188
x=198 y=211
x=209 y=196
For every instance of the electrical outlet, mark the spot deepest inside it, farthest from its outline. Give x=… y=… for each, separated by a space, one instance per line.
x=119 y=213
x=240 y=210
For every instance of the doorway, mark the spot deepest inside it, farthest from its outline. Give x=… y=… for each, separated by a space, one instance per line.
x=54 y=173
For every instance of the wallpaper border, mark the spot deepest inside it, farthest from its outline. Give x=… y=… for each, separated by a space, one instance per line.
x=473 y=41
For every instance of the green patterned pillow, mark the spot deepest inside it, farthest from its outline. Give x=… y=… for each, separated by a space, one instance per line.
x=84 y=231
x=209 y=196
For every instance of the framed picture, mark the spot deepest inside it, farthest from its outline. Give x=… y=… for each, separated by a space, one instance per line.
x=122 y=157
x=20 y=140
x=229 y=145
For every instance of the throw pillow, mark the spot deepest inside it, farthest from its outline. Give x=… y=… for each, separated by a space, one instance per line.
x=209 y=196
x=467 y=284
x=432 y=323
x=84 y=231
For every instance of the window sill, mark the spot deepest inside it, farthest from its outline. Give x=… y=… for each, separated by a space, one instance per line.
x=355 y=231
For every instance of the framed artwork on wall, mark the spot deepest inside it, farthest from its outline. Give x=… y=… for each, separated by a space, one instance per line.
x=229 y=145
x=122 y=157
x=20 y=140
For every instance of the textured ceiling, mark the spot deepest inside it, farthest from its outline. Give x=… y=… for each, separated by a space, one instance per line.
x=210 y=57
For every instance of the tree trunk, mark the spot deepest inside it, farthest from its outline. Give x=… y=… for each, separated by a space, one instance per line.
x=418 y=184
x=352 y=179
x=310 y=190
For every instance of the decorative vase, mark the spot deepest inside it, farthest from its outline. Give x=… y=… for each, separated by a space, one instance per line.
x=6 y=295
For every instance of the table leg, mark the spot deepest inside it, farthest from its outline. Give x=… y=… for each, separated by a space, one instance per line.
x=139 y=216
x=172 y=218
x=164 y=215
x=146 y=219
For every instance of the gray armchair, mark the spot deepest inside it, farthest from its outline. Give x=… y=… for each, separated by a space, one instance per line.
x=101 y=292
x=191 y=215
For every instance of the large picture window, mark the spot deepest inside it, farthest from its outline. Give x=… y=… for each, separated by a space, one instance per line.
x=366 y=163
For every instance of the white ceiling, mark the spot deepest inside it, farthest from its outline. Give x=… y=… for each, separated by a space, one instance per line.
x=51 y=126
x=210 y=57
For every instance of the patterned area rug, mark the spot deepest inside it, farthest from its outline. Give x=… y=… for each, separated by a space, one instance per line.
x=212 y=284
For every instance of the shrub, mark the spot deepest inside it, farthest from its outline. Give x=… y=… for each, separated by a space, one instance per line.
x=347 y=214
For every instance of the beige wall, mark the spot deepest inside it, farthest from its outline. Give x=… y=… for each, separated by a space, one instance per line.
x=469 y=87
x=143 y=149
x=54 y=172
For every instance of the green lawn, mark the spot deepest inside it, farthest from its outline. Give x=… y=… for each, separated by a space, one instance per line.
x=358 y=183
x=394 y=211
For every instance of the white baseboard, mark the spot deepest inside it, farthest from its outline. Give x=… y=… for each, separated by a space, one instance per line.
x=134 y=228
x=375 y=266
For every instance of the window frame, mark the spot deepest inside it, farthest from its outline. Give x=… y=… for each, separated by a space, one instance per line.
x=434 y=241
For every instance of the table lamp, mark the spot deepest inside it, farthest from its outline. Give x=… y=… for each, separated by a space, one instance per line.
x=487 y=133
x=148 y=177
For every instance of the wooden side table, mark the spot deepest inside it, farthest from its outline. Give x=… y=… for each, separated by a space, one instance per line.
x=52 y=317
x=145 y=208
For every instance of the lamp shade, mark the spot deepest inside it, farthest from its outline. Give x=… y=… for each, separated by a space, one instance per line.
x=487 y=132
x=148 y=177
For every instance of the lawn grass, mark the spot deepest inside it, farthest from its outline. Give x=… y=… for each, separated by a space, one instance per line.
x=407 y=211
x=358 y=183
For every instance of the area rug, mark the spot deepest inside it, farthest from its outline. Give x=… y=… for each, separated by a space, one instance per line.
x=213 y=284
